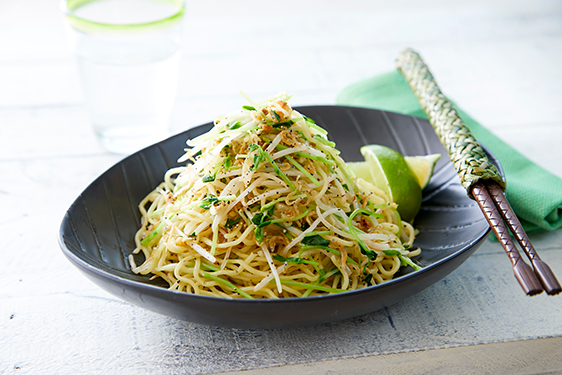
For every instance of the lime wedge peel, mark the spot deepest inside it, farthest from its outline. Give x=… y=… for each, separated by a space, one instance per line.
x=388 y=170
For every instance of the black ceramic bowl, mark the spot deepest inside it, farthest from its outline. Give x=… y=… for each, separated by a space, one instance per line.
x=97 y=232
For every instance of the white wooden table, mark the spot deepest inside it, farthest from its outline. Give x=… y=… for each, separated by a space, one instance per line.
x=500 y=60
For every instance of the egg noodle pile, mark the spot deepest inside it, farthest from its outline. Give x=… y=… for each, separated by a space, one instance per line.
x=267 y=209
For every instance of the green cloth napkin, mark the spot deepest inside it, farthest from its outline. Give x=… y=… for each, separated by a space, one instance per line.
x=534 y=193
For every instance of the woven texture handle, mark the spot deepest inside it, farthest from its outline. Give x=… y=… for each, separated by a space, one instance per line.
x=465 y=152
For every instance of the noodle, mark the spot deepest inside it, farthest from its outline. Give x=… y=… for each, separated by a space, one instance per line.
x=268 y=209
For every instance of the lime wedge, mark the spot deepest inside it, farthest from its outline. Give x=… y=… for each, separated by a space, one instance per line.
x=422 y=166
x=389 y=171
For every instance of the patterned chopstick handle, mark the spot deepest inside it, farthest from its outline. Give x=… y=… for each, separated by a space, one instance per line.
x=465 y=152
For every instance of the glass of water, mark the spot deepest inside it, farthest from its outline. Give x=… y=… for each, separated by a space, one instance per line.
x=128 y=54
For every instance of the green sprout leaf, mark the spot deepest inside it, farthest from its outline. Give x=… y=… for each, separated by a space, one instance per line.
x=232 y=222
x=315 y=240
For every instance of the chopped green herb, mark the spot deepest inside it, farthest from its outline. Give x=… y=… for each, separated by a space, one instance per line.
x=258 y=157
x=321 y=275
x=305 y=226
x=278 y=172
x=236 y=125
x=323 y=140
x=248 y=107
x=308 y=119
x=192 y=235
x=284 y=124
x=366 y=251
x=308 y=156
x=355 y=231
x=315 y=240
x=304 y=171
x=211 y=200
x=208 y=201
x=334 y=271
x=157 y=232
x=227 y=163
x=368 y=278
x=391 y=252
x=312 y=286
x=261 y=220
x=262 y=217
x=310 y=122
x=274 y=202
x=406 y=261
x=288 y=260
x=297 y=261
x=232 y=222
x=258 y=233
x=327 y=248
x=319 y=232
x=274 y=221
x=209 y=177
x=254 y=208
x=227 y=283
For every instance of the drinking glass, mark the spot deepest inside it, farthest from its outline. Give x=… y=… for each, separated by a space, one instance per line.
x=128 y=54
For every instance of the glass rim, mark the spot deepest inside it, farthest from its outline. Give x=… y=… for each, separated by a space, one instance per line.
x=68 y=8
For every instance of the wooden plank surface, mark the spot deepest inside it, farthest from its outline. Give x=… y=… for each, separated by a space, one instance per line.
x=511 y=358
x=500 y=60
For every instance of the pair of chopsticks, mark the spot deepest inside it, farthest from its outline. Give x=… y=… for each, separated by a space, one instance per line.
x=497 y=209
x=480 y=178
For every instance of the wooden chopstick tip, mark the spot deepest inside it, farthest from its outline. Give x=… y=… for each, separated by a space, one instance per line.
x=527 y=279
x=546 y=277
